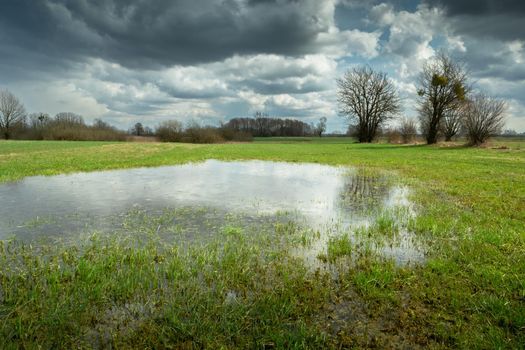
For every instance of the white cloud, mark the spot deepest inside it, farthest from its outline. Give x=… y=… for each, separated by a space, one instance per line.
x=456 y=43
x=515 y=115
x=350 y=43
x=516 y=50
x=383 y=14
x=58 y=96
x=412 y=32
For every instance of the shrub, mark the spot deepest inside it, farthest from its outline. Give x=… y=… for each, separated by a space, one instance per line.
x=169 y=131
x=483 y=117
x=67 y=126
x=393 y=136
x=407 y=130
x=206 y=134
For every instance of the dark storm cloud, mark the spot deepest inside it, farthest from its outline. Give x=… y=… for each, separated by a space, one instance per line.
x=499 y=19
x=493 y=59
x=159 y=33
x=481 y=7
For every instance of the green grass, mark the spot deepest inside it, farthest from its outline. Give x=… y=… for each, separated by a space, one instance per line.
x=238 y=292
x=338 y=247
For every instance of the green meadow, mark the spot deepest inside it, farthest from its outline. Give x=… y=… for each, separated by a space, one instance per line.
x=241 y=290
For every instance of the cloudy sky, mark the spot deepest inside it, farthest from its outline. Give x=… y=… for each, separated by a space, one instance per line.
x=211 y=60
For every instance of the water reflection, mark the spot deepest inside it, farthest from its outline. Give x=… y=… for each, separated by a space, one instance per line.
x=363 y=192
x=319 y=196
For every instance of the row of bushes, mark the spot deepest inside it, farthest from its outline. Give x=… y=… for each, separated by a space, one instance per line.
x=71 y=126
x=65 y=126
x=15 y=123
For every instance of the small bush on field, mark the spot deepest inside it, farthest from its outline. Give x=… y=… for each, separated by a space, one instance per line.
x=393 y=136
x=484 y=117
x=170 y=131
x=198 y=134
x=408 y=130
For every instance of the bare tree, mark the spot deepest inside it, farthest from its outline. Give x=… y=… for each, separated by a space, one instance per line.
x=483 y=117
x=368 y=99
x=320 y=127
x=262 y=123
x=137 y=129
x=12 y=113
x=68 y=119
x=408 y=130
x=99 y=124
x=38 y=120
x=37 y=124
x=443 y=86
x=451 y=122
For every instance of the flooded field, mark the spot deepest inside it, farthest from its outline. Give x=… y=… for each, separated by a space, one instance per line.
x=192 y=202
x=407 y=247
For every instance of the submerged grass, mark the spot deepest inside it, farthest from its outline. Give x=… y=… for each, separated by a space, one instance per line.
x=237 y=292
x=337 y=247
x=228 y=293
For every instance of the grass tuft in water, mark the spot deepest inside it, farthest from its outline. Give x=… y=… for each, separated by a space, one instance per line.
x=337 y=247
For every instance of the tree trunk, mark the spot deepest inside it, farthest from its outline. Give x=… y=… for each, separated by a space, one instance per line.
x=363 y=137
x=372 y=133
x=432 y=134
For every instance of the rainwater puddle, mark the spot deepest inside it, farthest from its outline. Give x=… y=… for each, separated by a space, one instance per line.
x=196 y=199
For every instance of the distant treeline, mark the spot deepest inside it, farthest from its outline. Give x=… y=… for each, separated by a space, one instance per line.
x=266 y=126
x=237 y=129
x=71 y=126
x=16 y=124
x=174 y=131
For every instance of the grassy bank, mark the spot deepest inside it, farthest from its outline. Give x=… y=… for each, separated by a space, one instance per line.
x=236 y=292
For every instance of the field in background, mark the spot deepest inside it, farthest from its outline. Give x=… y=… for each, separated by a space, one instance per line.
x=470 y=293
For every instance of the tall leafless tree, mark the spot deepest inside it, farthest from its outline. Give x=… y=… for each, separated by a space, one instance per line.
x=443 y=85
x=12 y=113
x=483 y=117
x=368 y=99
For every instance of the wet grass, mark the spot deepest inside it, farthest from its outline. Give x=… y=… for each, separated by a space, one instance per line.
x=337 y=247
x=230 y=292
x=237 y=292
